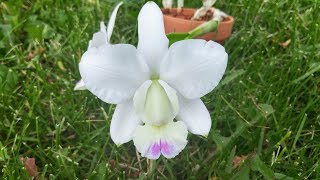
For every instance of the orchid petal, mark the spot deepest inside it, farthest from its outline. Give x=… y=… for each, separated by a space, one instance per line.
x=139 y=98
x=175 y=137
x=112 y=21
x=194 y=67
x=169 y=139
x=99 y=38
x=146 y=139
x=113 y=72
x=172 y=95
x=123 y=124
x=153 y=42
x=196 y=116
x=80 y=86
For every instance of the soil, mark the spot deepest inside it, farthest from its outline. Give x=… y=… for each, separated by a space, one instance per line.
x=181 y=15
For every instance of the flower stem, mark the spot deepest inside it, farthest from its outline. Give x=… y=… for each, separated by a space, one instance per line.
x=150 y=168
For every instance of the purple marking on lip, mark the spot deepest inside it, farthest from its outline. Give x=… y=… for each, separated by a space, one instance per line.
x=165 y=147
x=155 y=149
x=161 y=147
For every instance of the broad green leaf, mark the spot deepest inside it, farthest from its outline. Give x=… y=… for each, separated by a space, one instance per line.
x=267 y=109
x=220 y=141
x=258 y=165
x=282 y=176
x=8 y=79
x=313 y=68
x=34 y=30
x=243 y=174
x=100 y=172
x=47 y=31
x=232 y=75
x=174 y=37
x=230 y=159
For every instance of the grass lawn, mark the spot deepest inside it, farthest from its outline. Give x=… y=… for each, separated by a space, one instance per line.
x=265 y=113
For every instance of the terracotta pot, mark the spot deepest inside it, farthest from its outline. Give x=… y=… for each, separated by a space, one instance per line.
x=182 y=23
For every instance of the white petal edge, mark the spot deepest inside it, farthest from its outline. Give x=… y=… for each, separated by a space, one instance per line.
x=80 y=86
x=112 y=21
x=194 y=67
x=196 y=116
x=146 y=138
x=172 y=95
x=113 y=72
x=175 y=134
x=124 y=123
x=168 y=140
x=139 y=98
x=99 y=38
x=153 y=42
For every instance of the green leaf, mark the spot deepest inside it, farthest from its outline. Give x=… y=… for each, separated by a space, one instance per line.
x=243 y=174
x=258 y=165
x=267 y=109
x=8 y=79
x=230 y=159
x=313 y=68
x=282 y=176
x=100 y=172
x=3 y=153
x=47 y=31
x=34 y=30
x=232 y=75
x=174 y=37
x=220 y=141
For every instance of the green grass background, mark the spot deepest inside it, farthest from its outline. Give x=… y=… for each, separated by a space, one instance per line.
x=267 y=106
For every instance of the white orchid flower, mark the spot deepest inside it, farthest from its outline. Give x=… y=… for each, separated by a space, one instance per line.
x=100 y=38
x=153 y=84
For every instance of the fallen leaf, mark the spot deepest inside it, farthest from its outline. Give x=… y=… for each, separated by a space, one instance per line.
x=238 y=160
x=286 y=43
x=32 y=54
x=61 y=66
x=112 y=163
x=30 y=165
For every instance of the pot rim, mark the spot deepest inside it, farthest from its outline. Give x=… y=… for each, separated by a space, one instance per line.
x=228 y=19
